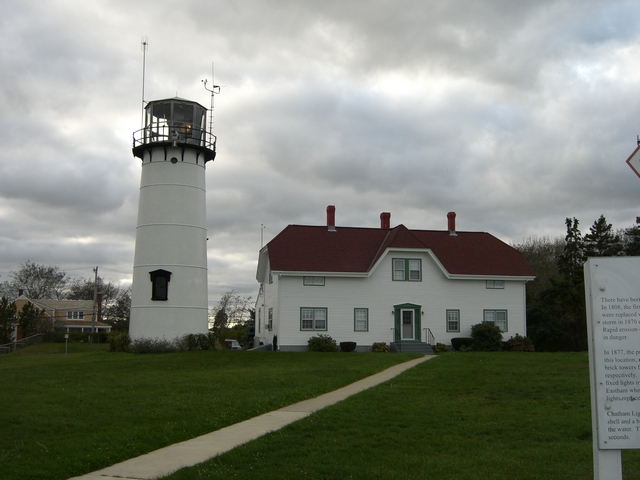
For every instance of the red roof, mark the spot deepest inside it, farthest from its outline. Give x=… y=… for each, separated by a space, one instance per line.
x=300 y=248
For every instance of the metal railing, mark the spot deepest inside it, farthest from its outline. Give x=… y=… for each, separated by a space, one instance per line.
x=175 y=133
x=429 y=337
x=23 y=342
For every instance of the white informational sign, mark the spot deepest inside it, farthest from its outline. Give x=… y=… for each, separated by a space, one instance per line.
x=612 y=286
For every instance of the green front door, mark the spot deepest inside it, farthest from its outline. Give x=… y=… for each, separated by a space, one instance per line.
x=407 y=322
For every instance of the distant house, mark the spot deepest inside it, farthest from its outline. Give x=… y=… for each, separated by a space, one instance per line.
x=66 y=315
x=407 y=288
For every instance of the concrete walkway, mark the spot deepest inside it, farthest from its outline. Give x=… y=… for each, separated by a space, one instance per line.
x=165 y=461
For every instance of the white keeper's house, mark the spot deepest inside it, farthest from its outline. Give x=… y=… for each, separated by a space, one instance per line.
x=407 y=288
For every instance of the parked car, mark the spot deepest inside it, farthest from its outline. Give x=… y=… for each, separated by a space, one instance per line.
x=232 y=344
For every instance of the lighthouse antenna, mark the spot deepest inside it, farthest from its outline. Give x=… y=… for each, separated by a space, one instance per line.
x=145 y=45
x=215 y=89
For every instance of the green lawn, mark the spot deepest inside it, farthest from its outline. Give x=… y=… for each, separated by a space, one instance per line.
x=65 y=415
x=459 y=416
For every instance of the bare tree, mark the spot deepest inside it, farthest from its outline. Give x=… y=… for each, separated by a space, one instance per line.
x=82 y=289
x=117 y=312
x=232 y=309
x=38 y=281
x=542 y=254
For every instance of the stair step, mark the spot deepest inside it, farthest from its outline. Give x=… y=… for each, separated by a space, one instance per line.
x=424 y=348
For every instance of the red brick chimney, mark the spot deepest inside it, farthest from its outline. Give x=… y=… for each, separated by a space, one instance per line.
x=331 y=218
x=385 y=220
x=451 y=217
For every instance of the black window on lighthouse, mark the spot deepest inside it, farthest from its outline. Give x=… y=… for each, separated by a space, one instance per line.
x=160 y=284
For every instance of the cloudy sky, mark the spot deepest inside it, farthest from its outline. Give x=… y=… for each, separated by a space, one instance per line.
x=513 y=114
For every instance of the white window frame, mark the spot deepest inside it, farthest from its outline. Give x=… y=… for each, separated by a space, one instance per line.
x=270 y=319
x=361 y=324
x=75 y=315
x=313 y=281
x=398 y=269
x=407 y=269
x=318 y=316
x=495 y=284
x=493 y=317
x=450 y=319
x=415 y=269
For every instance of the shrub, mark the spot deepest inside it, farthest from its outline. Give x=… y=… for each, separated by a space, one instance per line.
x=440 y=348
x=189 y=342
x=487 y=337
x=461 y=344
x=119 y=341
x=520 y=344
x=322 y=343
x=155 y=345
x=198 y=341
x=347 y=346
x=380 y=347
x=213 y=342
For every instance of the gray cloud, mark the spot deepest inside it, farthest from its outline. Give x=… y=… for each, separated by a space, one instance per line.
x=513 y=114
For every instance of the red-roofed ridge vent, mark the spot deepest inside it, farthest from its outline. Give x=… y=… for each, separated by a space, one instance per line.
x=451 y=221
x=331 y=218
x=385 y=220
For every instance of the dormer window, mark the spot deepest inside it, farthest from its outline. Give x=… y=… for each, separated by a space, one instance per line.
x=407 y=269
x=160 y=284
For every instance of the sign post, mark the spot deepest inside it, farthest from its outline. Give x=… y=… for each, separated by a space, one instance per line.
x=634 y=160
x=612 y=288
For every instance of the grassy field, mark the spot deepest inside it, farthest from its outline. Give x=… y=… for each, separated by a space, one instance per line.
x=459 y=416
x=65 y=415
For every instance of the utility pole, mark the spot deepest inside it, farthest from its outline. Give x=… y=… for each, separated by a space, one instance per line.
x=95 y=299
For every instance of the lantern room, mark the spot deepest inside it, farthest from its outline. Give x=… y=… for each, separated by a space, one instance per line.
x=175 y=122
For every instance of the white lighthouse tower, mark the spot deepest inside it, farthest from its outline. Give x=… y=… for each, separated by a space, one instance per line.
x=169 y=290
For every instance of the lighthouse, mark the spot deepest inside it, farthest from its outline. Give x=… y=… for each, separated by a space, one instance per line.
x=169 y=295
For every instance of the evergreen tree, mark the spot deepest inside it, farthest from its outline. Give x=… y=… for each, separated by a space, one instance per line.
x=32 y=320
x=601 y=241
x=557 y=319
x=249 y=329
x=631 y=240
x=220 y=321
x=570 y=263
x=7 y=316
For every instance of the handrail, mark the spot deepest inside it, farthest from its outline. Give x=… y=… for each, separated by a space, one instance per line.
x=23 y=342
x=175 y=133
x=429 y=336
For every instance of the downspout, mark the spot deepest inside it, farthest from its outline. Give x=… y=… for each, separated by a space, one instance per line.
x=277 y=314
x=524 y=306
